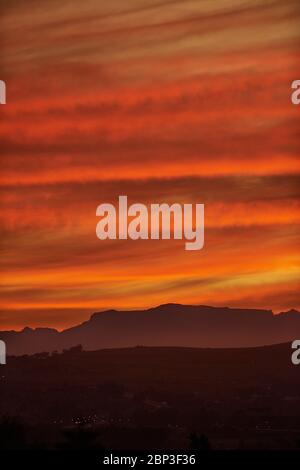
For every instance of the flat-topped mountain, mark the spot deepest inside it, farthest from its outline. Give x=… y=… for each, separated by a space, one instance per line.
x=165 y=325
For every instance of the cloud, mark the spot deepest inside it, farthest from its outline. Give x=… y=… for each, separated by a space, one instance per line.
x=164 y=101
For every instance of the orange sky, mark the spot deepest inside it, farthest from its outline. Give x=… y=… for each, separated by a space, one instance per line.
x=165 y=101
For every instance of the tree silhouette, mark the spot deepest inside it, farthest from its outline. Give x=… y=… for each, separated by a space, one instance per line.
x=80 y=437
x=199 y=442
x=12 y=433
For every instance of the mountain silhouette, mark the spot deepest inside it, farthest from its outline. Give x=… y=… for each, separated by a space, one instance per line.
x=165 y=325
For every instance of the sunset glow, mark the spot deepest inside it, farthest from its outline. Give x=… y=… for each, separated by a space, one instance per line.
x=184 y=102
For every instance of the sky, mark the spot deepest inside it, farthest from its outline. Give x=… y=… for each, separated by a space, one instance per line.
x=164 y=101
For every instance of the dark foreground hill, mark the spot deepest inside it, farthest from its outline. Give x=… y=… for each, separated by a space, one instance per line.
x=166 y=325
x=146 y=398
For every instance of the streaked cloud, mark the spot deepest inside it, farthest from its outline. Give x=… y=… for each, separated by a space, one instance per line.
x=165 y=101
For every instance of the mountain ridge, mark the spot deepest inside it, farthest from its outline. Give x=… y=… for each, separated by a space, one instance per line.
x=168 y=324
